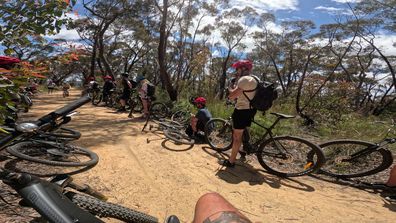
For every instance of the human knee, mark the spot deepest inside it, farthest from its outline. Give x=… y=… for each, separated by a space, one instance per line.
x=209 y=197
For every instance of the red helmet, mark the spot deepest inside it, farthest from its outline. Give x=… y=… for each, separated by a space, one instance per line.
x=200 y=101
x=243 y=63
x=107 y=77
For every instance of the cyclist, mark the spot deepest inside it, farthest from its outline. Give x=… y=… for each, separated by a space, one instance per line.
x=143 y=83
x=65 y=88
x=50 y=86
x=199 y=120
x=107 y=87
x=243 y=114
x=126 y=92
x=212 y=207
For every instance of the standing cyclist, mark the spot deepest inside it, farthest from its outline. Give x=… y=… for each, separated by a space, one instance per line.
x=107 y=87
x=243 y=114
x=143 y=94
x=126 y=91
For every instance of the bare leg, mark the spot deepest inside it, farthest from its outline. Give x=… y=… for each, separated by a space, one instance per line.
x=145 y=106
x=392 y=177
x=194 y=124
x=237 y=137
x=212 y=207
x=122 y=102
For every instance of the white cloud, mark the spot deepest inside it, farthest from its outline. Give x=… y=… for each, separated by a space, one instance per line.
x=334 y=11
x=347 y=1
x=69 y=35
x=265 y=5
x=386 y=44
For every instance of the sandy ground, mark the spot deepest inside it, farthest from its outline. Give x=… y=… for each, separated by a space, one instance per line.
x=142 y=171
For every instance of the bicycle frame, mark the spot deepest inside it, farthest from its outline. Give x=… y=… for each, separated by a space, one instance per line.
x=47 y=122
x=46 y=198
x=268 y=132
x=369 y=149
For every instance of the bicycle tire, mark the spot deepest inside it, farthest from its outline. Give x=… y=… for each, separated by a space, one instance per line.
x=97 y=98
x=218 y=134
x=135 y=104
x=367 y=164
x=180 y=116
x=159 y=110
x=109 y=210
x=34 y=151
x=111 y=101
x=171 y=124
x=65 y=134
x=281 y=164
x=178 y=136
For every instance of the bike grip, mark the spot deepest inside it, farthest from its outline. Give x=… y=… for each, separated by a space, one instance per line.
x=64 y=110
x=7 y=139
x=47 y=199
x=72 y=106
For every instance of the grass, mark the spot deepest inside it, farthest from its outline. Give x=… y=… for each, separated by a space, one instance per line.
x=352 y=126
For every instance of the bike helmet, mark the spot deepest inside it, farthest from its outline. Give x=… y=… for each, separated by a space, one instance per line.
x=107 y=77
x=243 y=64
x=200 y=102
x=139 y=78
x=125 y=74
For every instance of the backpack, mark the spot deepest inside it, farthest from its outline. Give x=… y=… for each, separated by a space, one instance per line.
x=265 y=95
x=150 y=89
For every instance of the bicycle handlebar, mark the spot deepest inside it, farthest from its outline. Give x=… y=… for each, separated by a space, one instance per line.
x=46 y=198
x=64 y=110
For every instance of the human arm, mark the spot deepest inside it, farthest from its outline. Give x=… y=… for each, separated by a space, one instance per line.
x=234 y=93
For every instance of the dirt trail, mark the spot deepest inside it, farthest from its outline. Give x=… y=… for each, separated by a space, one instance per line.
x=142 y=171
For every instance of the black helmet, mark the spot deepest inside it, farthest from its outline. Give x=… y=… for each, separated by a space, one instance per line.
x=125 y=74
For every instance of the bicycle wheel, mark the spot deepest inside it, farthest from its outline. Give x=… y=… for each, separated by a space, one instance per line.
x=218 y=134
x=96 y=98
x=109 y=210
x=135 y=104
x=349 y=158
x=178 y=136
x=54 y=154
x=181 y=116
x=64 y=134
x=158 y=110
x=289 y=156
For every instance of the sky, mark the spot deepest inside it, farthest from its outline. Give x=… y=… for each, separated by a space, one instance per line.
x=319 y=11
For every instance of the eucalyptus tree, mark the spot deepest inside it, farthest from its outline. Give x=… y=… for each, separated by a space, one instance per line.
x=21 y=21
x=233 y=26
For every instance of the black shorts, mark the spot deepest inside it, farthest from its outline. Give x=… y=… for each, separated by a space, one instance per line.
x=243 y=118
x=125 y=94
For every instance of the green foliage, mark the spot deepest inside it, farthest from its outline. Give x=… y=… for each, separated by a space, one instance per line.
x=353 y=126
x=23 y=19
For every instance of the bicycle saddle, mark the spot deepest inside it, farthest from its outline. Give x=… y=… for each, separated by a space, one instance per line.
x=280 y=115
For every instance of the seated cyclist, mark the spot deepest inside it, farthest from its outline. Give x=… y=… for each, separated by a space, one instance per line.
x=199 y=120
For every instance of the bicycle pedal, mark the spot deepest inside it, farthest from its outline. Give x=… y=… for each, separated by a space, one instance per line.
x=308 y=165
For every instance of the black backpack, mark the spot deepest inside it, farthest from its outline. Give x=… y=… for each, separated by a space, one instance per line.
x=265 y=95
x=150 y=89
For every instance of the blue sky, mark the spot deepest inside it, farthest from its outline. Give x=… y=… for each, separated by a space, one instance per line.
x=319 y=11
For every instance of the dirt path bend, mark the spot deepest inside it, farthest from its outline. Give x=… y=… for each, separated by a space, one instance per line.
x=142 y=171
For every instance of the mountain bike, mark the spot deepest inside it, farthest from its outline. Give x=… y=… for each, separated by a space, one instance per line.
x=29 y=140
x=183 y=115
x=350 y=158
x=174 y=131
x=61 y=200
x=284 y=156
x=135 y=103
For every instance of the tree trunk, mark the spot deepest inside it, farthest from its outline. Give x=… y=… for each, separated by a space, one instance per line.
x=162 y=54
